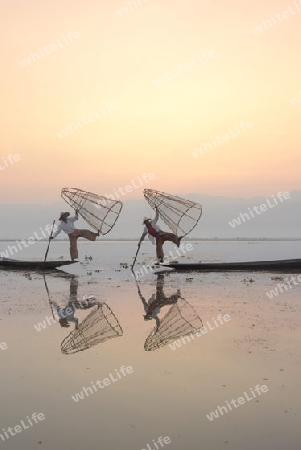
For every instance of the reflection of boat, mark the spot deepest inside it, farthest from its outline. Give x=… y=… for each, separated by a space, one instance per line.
x=13 y=264
x=270 y=266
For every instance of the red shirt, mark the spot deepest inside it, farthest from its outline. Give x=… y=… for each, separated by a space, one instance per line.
x=151 y=229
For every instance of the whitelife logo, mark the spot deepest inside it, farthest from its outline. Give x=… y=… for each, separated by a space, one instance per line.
x=11 y=250
x=102 y=384
x=259 y=209
x=221 y=319
x=130 y=6
x=145 y=269
x=12 y=431
x=9 y=160
x=293 y=101
x=269 y=23
x=241 y=401
x=218 y=140
x=86 y=120
x=161 y=440
x=183 y=68
x=281 y=287
x=47 y=50
x=146 y=177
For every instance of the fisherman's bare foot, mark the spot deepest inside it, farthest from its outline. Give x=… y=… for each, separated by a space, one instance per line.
x=180 y=238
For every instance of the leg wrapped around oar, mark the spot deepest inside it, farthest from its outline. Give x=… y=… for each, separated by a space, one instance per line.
x=163 y=237
x=87 y=234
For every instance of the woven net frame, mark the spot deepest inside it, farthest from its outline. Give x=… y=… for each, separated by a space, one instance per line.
x=99 y=326
x=98 y=211
x=180 y=320
x=179 y=214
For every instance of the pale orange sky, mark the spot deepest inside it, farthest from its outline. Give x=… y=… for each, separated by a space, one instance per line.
x=154 y=129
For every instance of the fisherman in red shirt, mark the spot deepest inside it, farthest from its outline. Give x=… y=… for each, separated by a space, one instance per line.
x=157 y=236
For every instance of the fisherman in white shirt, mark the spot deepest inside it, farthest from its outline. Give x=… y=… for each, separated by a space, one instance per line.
x=67 y=225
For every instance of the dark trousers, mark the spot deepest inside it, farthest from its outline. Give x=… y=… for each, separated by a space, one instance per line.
x=161 y=238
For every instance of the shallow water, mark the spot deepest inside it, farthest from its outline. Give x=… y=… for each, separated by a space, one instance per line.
x=176 y=382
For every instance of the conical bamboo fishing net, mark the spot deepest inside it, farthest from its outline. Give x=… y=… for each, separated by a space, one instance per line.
x=98 y=211
x=180 y=215
x=99 y=326
x=180 y=320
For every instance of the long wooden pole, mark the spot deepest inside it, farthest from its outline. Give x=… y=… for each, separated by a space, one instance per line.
x=132 y=266
x=49 y=299
x=49 y=241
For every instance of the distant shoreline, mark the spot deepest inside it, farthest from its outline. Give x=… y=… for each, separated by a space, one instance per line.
x=244 y=239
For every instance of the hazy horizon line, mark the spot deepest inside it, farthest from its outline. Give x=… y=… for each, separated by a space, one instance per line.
x=186 y=239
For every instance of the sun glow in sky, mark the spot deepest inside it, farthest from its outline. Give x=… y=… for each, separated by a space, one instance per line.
x=94 y=97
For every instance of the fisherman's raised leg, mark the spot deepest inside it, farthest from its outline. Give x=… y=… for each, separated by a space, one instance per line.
x=171 y=237
x=87 y=234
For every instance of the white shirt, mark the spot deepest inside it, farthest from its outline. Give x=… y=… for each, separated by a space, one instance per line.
x=155 y=226
x=68 y=226
x=67 y=313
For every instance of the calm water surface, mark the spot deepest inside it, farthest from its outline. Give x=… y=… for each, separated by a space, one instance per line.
x=175 y=382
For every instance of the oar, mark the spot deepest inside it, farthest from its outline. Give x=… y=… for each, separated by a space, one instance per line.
x=49 y=299
x=132 y=266
x=49 y=241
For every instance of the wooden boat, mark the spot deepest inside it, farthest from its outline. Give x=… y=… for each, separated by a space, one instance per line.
x=12 y=264
x=286 y=265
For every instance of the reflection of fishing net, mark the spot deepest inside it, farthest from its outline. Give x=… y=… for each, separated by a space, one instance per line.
x=180 y=215
x=180 y=320
x=99 y=326
x=98 y=211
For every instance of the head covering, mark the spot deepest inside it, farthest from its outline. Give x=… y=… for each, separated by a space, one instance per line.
x=148 y=317
x=64 y=322
x=144 y=219
x=64 y=214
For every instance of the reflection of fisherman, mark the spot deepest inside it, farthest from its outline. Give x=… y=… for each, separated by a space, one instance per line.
x=153 y=307
x=66 y=314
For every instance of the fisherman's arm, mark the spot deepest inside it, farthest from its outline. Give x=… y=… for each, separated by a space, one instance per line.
x=75 y=217
x=57 y=231
x=142 y=237
x=142 y=298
